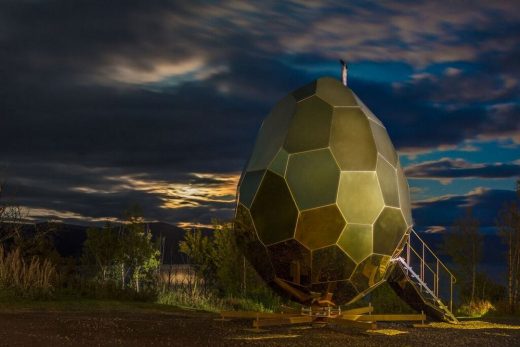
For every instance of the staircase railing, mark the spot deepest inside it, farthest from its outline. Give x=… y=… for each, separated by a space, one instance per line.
x=435 y=271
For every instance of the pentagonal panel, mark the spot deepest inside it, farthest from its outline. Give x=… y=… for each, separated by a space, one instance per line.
x=387 y=176
x=319 y=227
x=366 y=110
x=356 y=241
x=334 y=92
x=273 y=210
x=272 y=134
x=404 y=196
x=383 y=143
x=331 y=264
x=342 y=291
x=291 y=261
x=249 y=186
x=279 y=163
x=313 y=178
x=247 y=240
x=351 y=140
x=359 y=197
x=389 y=229
x=372 y=270
x=310 y=126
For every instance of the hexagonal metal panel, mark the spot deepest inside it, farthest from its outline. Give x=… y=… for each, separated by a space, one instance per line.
x=313 y=178
x=387 y=176
x=356 y=241
x=359 y=197
x=372 y=270
x=274 y=212
x=404 y=196
x=366 y=110
x=247 y=239
x=319 y=227
x=279 y=163
x=249 y=186
x=310 y=126
x=351 y=140
x=272 y=134
x=331 y=264
x=291 y=262
x=389 y=229
x=334 y=93
x=383 y=143
x=305 y=91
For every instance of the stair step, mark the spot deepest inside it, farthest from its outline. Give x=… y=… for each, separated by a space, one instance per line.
x=431 y=299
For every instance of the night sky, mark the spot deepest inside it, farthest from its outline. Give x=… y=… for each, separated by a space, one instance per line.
x=108 y=103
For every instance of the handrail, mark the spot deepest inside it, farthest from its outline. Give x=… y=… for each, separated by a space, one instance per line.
x=425 y=245
x=424 y=265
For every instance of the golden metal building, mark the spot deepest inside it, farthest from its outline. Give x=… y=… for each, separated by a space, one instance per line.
x=323 y=203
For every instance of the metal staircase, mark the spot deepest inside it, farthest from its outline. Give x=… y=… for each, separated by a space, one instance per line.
x=425 y=288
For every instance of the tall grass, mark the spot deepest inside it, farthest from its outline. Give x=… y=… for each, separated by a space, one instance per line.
x=33 y=278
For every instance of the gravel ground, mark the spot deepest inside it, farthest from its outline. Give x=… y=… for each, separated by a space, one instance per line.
x=186 y=328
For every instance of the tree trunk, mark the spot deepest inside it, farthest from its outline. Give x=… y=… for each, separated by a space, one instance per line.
x=123 y=276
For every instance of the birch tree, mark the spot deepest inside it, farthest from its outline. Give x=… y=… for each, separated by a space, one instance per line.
x=509 y=227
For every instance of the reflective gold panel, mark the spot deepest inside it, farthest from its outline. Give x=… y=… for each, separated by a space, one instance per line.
x=279 y=163
x=388 y=230
x=331 y=264
x=383 y=143
x=310 y=126
x=367 y=111
x=313 y=178
x=247 y=240
x=387 y=176
x=359 y=197
x=356 y=241
x=249 y=186
x=334 y=93
x=319 y=227
x=372 y=270
x=404 y=196
x=305 y=91
x=291 y=262
x=351 y=140
x=273 y=210
x=272 y=134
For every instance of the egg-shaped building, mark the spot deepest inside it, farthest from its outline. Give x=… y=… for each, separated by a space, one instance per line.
x=323 y=203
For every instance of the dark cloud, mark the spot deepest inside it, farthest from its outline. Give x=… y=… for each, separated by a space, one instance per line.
x=98 y=95
x=486 y=205
x=459 y=168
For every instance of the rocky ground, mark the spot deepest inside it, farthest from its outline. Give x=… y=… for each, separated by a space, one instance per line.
x=26 y=327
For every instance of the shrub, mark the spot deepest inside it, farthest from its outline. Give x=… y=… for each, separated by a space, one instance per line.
x=476 y=308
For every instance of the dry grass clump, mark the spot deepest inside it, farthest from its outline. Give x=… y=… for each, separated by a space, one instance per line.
x=476 y=308
x=31 y=278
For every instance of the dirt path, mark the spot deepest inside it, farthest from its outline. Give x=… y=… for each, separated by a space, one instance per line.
x=185 y=328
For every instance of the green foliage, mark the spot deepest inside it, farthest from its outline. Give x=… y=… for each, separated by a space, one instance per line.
x=103 y=248
x=126 y=252
x=201 y=254
x=223 y=268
